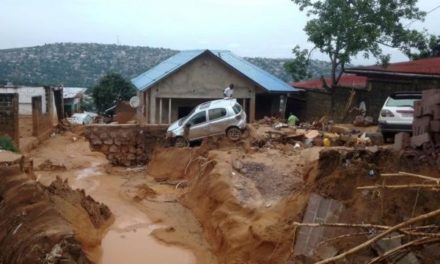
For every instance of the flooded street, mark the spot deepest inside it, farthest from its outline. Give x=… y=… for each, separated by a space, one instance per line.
x=128 y=240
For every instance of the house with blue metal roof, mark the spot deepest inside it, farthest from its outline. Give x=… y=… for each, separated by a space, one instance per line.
x=171 y=89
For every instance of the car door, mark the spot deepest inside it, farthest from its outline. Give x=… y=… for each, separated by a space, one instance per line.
x=198 y=126
x=218 y=121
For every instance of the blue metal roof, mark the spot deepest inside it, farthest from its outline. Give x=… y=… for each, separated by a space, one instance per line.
x=264 y=79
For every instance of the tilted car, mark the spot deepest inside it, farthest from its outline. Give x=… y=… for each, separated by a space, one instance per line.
x=397 y=113
x=218 y=117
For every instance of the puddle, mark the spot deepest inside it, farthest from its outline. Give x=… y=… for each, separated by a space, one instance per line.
x=138 y=247
x=129 y=238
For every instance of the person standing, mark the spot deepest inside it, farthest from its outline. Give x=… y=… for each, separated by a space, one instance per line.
x=229 y=91
x=292 y=120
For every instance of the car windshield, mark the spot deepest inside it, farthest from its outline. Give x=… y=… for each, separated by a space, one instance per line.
x=180 y=122
x=397 y=102
x=183 y=119
x=237 y=108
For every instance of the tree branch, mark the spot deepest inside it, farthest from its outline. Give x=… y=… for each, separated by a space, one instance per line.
x=435 y=187
x=383 y=234
x=404 y=248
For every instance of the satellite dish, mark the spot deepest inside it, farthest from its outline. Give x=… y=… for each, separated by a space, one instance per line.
x=134 y=101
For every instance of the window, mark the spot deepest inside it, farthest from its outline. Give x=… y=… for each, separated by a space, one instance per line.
x=237 y=108
x=216 y=113
x=401 y=102
x=198 y=118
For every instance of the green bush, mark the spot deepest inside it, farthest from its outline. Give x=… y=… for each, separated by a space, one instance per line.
x=7 y=143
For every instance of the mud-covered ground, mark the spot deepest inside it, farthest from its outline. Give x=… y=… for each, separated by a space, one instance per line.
x=128 y=239
x=223 y=202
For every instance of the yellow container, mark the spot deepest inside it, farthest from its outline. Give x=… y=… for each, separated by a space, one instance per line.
x=327 y=142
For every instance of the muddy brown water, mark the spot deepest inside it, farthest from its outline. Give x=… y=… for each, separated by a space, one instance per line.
x=128 y=239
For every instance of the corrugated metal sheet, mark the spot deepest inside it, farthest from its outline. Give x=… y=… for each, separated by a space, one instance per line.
x=429 y=66
x=72 y=92
x=264 y=79
x=165 y=68
x=347 y=80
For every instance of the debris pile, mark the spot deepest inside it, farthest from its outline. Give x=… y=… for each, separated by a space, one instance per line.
x=363 y=121
x=263 y=135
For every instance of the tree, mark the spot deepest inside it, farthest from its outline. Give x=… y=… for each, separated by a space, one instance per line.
x=342 y=29
x=298 y=67
x=110 y=89
x=426 y=47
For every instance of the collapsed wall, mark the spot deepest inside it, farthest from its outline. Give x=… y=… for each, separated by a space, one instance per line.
x=125 y=144
x=47 y=224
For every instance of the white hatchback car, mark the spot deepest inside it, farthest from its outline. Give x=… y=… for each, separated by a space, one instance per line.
x=397 y=113
x=224 y=116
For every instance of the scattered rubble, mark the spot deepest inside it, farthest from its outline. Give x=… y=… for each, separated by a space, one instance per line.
x=363 y=121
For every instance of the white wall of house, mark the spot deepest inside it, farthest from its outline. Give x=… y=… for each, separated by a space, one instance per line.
x=25 y=94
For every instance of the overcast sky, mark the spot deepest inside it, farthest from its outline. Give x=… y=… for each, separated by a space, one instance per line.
x=256 y=28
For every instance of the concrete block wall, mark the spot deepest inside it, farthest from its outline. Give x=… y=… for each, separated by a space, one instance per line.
x=426 y=124
x=9 y=116
x=126 y=144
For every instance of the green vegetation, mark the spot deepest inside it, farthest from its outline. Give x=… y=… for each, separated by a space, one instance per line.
x=6 y=143
x=298 y=67
x=111 y=89
x=77 y=65
x=426 y=46
x=342 y=29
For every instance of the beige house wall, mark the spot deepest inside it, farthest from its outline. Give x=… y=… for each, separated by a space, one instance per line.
x=204 y=78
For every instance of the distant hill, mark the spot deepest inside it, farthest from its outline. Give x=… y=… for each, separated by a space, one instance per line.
x=276 y=67
x=73 y=64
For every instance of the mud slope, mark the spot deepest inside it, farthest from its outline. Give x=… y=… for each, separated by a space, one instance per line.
x=41 y=224
x=247 y=202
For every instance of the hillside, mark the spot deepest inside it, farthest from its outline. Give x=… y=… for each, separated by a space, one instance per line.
x=82 y=65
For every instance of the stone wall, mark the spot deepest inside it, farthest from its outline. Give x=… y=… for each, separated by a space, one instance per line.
x=126 y=144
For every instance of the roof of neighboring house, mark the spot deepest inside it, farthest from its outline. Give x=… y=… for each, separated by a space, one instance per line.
x=430 y=67
x=72 y=92
x=262 y=78
x=347 y=80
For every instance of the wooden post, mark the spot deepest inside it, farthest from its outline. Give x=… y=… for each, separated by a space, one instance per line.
x=160 y=110
x=244 y=104
x=169 y=110
x=252 y=108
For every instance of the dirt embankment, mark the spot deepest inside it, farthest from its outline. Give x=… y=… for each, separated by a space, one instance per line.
x=42 y=224
x=244 y=200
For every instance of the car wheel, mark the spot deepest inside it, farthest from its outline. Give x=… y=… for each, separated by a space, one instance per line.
x=233 y=133
x=181 y=142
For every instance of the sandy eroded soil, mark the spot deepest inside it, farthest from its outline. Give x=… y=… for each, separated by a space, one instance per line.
x=128 y=239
